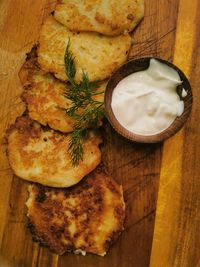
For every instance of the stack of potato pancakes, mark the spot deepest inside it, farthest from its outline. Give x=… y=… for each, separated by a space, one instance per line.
x=70 y=208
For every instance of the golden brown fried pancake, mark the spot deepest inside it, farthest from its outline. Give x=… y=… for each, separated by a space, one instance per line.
x=41 y=155
x=97 y=55
x=44 y=96
x=111 y=17
x=87 y=217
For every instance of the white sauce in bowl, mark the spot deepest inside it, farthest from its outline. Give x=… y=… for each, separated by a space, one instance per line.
x=146 y=102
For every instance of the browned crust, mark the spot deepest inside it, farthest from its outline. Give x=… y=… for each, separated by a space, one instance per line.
x=43 y=95
x=37 y=99
x=103 y=16
x=23 y=124
x=29 y=67
x=49 y=225
x=32 y=146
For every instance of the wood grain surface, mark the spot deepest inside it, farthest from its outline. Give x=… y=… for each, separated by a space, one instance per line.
x=176 y=238
x=138 y=167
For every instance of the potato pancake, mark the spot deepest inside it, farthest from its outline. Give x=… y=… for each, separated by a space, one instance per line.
x=93 y=53
x=111 y=17
x=44 y=96
x=41 y=154
x=87 y=217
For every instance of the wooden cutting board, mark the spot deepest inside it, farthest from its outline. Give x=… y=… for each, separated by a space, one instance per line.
x=170 y=30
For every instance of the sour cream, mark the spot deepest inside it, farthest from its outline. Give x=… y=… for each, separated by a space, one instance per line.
x=146 y=102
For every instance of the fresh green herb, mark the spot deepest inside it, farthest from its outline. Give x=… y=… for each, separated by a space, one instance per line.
x=86 y=111
x=76 y=145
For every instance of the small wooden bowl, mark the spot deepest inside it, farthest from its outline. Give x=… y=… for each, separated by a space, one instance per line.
x=139 y=65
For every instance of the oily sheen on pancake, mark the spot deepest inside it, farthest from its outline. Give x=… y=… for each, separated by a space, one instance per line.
x=87 y=217
x=41 y=154
x=44 y=96
x=93 y=53
x=111 y=17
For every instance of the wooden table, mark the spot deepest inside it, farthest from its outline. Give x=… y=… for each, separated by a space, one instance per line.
x=170 y=30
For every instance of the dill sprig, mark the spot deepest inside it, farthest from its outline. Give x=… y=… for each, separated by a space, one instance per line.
x=76 y=145
x=86 y=111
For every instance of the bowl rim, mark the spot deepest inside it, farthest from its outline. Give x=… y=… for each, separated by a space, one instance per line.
x=176 y=125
